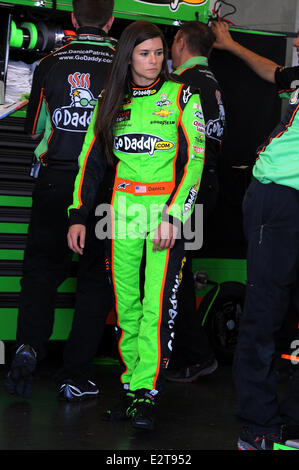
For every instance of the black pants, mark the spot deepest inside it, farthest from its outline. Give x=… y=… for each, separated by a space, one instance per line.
x=191 y=344
x=47 y=264
x=271 y=224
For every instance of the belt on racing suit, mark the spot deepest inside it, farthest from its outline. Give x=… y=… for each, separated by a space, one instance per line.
x=143 y=189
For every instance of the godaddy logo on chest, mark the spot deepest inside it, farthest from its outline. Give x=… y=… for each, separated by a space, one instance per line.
x=141 y=143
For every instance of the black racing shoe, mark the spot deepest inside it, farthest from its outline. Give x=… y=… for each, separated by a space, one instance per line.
x=121 y=410
x=142 y=410
x=20 y=377
x=191 y=373
x=72 y=392
x=251 y=441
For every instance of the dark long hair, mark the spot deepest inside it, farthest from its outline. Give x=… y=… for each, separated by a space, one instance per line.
x=119 y=81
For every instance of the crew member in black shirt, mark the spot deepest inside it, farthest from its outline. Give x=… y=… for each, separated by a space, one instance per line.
x=192 y=354
x=65 y=88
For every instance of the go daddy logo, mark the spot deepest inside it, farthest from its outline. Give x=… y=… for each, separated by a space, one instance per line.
x=173 y=4
x=141 y=143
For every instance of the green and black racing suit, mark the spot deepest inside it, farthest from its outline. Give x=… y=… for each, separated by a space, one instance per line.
x=159 y=144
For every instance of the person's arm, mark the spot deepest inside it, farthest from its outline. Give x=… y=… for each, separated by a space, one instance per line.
x=262 y=66
x=76 y=238
x=35 y=123
x=92 y=167
x=191 y=142
x=191 y=151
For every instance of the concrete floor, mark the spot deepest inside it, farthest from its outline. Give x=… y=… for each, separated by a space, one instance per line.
x=197 y=416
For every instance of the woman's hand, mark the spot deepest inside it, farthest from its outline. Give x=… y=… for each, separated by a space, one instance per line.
x=76 y=238
x=165 y=236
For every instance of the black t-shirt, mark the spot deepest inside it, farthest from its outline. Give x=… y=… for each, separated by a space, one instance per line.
x=200 y=76
x=65 y=88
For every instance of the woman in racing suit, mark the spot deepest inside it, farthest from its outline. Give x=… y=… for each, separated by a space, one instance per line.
x=151 y=128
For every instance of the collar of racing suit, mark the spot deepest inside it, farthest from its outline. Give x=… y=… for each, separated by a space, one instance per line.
x=153 y=88
x=90 y=30
x=91 y=33
x=196 y=60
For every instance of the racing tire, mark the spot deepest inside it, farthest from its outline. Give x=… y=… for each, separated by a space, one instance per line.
x=223 y=319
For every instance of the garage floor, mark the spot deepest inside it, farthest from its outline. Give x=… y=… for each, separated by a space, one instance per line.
x=197 y=416
x=191 y=416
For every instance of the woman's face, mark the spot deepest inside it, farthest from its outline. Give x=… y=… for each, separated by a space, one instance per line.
x=146 y=61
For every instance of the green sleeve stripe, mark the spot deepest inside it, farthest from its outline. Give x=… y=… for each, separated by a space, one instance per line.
x=38 y=112
x=77 y=203
x=85 y=151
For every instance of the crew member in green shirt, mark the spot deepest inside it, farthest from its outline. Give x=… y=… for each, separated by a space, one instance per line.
x=271 y=224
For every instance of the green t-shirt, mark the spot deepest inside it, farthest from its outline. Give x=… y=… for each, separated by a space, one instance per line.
x=278 y=157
